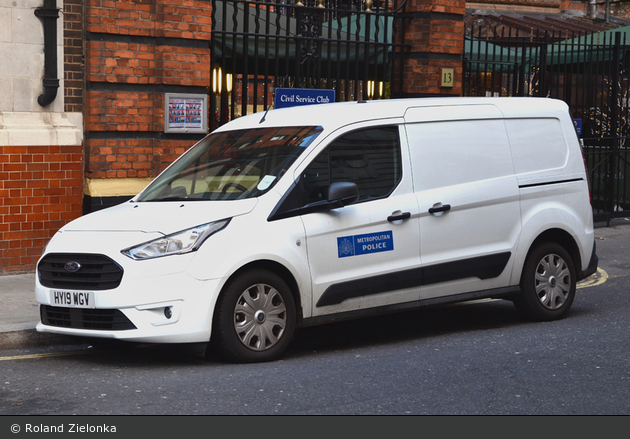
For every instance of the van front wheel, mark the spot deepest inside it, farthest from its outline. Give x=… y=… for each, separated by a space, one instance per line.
x=547 y=284
x=255 y=318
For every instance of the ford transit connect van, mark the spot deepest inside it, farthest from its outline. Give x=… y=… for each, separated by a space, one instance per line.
x=305 y=215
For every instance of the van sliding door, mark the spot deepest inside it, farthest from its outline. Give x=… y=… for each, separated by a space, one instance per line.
x=468 y=200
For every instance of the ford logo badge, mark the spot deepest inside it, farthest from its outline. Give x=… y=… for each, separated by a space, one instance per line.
x=72 y=266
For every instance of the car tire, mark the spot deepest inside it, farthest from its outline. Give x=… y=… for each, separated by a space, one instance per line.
x=255 y=318
x=547 y=284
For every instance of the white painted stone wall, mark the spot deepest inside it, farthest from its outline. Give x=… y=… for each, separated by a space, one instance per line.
x=22 y=120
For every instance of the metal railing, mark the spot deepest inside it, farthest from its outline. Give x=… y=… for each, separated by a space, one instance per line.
x=348 y=46
x=590 y=73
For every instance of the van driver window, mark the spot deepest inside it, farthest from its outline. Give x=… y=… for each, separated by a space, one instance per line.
x=370 y=158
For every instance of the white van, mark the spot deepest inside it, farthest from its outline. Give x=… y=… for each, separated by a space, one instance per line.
x=318 y=213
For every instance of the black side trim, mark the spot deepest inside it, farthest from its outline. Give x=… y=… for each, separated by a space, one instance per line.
x=483 y=267
x=368 y=286
x=592 y=266
x=499 y=293
x=547 y=183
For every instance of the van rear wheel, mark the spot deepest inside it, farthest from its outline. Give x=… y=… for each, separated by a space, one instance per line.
x=548 y=283
x=255 y=318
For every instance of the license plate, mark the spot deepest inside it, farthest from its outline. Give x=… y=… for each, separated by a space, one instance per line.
x=75 y=299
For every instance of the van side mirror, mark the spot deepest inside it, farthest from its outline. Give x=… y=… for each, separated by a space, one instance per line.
x=343 y=193
x=340 y=194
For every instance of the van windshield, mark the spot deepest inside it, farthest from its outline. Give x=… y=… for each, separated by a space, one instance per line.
x=232 y=165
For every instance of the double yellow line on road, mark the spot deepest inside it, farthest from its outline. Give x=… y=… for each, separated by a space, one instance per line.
x=52 y=354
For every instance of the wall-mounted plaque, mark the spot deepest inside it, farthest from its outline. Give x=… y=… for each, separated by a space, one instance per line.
x=185 y=113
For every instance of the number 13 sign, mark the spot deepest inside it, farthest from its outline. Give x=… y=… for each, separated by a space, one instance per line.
x=447 y=77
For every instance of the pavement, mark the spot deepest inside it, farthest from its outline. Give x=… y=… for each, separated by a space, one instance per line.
x=19 y=311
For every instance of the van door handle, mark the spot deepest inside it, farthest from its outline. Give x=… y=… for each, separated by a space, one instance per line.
x=444 y=208
x=400 y=217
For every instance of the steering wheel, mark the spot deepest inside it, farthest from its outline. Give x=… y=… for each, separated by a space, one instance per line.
x=237 y=186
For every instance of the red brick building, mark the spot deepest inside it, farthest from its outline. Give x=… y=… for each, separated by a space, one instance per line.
x=135 y=52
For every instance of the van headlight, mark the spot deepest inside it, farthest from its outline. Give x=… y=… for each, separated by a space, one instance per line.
x=177 y=243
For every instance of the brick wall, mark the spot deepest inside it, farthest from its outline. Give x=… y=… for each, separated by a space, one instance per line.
x=435 y=34
x=40 y=191
x=41 y=156
x=139 y=158
x=136 y=51
x=574 y=5
x=73 y=55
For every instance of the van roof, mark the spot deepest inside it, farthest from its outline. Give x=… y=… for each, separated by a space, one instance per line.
x=342 y=113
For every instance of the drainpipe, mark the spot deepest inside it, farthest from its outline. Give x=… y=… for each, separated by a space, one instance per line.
x=592 y=9
x=49 y=14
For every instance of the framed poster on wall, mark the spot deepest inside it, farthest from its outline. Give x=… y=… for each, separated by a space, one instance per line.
x=185 y=113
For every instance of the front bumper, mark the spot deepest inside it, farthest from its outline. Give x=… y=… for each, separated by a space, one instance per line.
x=174 y=308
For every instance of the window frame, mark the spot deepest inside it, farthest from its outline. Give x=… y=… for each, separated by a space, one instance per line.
x=293 y=204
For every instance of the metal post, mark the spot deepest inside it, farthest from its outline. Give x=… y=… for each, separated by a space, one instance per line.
x=614 y=124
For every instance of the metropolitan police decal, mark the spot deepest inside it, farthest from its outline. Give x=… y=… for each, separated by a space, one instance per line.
x=364 y=244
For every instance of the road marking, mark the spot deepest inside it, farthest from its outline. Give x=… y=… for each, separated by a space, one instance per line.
x=55 y=354
x=595 y=279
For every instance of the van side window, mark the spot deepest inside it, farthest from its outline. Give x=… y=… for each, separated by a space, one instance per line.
x=370 y=158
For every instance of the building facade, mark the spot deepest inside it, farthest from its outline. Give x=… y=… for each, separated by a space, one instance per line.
x=112 y=63
x=41 y=139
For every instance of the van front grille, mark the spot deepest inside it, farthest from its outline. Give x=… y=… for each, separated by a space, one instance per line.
x=95 y=272
x=80 y=318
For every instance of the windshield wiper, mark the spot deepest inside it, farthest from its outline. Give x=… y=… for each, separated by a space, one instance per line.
x=173 y=199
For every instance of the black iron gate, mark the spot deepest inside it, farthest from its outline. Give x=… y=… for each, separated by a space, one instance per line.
x=590 y=73
x=349 y=46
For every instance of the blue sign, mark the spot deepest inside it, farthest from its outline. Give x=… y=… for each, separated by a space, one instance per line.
x=364 y=244
x=292 y=97
x=578 y=126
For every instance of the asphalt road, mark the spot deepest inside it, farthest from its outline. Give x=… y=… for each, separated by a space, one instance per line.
x=468 y=359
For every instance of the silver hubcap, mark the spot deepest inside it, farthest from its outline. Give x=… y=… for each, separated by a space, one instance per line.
x=260 y=317
x=553 y=281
